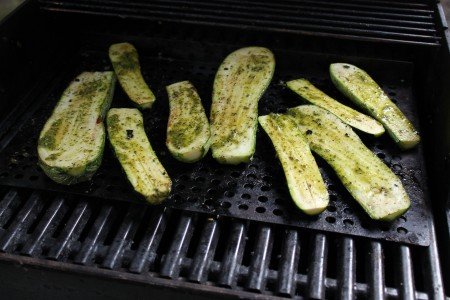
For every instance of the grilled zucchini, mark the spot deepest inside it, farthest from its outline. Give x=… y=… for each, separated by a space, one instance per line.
x=125 y=60
x=188 y=130
x=240 y=82
x=139 y=161
x=310 y=93
x=377 y=189
x=359 y=87
x=70 y=146
x=303 y=177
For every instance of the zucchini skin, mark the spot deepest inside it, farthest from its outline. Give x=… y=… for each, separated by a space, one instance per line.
x=125 y=60
x=359 y=87
x=188 y=131
x=83 y=104
x=133 y=150
x=306 y=186
x=310 y=93
x=240 y=82
x=373 y=185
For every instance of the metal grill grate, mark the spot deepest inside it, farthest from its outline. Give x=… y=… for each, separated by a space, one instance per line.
x=392 y=21
x=224 y=253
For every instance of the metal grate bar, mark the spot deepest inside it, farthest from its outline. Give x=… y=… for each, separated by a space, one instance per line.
x=11 y=197
x=260 y=259
x=22 y=221
x=406 y=276
x=233 y=255
x=205 y=252
x=318 y=267
x=71 y=231
x=124 y=235
x=172 y=262
x=97 y=233
x=347 y=269
x=52 y=216
x=432 y=268
x=376 y=271
x=146 y=252
x=290 y=256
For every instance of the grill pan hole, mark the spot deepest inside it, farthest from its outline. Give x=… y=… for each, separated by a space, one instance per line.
x=331 y=208
x=249 y=185
x=260 y=209
x=263 y=199
x=215 y=182
x=229 y=194
x=180 y=187
x=243 y=207
x=196 y=189
x=192 y=199
x=277 y=212
x=246 y=196
x=200 y=179
x=18 y=176
x=330 y=219
x=251 y=176
x=348 y=222
x=225 y=204
x=381 y=155
x=348 y=210
x=402 y=218
x=265 y=188
x=402 y=230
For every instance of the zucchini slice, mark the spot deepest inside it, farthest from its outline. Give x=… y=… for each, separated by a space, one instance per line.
x=125 y=60
x=70 y=146
x=240 y=82
x=132 y=147
x=188 y=130
x=303 y=177
x=359 y=87
x=376 y=188
x=310 y=93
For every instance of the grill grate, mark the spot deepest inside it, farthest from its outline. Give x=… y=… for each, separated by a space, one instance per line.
x=135 y=239
x=392 y=21
x=255 y=191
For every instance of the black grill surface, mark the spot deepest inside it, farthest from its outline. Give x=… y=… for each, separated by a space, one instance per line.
x=255 y=191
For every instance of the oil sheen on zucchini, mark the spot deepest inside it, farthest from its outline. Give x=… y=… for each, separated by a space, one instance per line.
x=310 y=93
x=303 y=177
x=132 y=147
x=188 y=130
x=125 y=60
x=70 y=146
x=240 y=82
x=359 y=87
x=376 y=188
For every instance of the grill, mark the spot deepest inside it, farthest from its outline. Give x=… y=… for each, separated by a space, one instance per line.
x=225 y=231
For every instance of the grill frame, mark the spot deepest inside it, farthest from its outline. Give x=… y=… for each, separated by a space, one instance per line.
x=430 y=258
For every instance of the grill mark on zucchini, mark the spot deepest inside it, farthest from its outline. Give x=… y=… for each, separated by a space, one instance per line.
x=306 y=186
x=239 y=84
x=378 y=190
x=140 y=163
x=125 y=60
x=188 y=132
x=359 y=87
x=310 y=93
x=70 y=145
